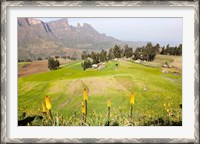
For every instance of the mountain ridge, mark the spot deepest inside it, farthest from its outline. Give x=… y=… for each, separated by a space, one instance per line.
x=42 y=39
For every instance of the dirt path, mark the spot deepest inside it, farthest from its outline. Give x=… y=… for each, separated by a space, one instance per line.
x=37 y=67
x=33 y=68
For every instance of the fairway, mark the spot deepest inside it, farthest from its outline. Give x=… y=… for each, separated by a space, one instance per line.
x=158 y=95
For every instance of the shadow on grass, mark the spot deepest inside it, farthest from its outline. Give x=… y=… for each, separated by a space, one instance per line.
x=162 y=122
x=28 y=119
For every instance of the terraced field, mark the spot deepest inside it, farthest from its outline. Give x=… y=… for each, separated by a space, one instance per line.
x=158 y=95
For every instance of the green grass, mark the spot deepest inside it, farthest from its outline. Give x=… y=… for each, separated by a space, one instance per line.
x=151 y=87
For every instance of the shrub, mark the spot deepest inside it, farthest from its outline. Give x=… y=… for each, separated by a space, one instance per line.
x=39 y=58
x=57 y=57
x=86 y=64
x=64 y=57
x=53 y=64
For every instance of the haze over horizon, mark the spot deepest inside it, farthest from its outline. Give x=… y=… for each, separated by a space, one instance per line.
x=156 y=30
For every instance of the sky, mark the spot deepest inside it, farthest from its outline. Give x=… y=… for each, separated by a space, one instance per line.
x=156 y=30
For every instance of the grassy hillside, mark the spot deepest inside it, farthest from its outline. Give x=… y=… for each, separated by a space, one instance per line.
x=156 y=94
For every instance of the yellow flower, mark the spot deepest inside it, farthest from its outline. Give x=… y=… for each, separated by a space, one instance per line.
x=83 y=107
x=169 y=104
x=82 y=103
x=109 y=103
x=85 y=94
x=132 y=99
x=167 y=110
x=48 y=103
x=44 y=109
x=164 y=104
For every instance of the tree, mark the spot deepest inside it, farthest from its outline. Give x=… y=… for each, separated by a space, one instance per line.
x=157 y=48
x=110 y=54
x=179 y=51
x=57 y=57
x=53 y=64
x=128 y=52
x=39 y=58
x=117 y=51
x=64 y=57
x=147 y=53
x=175 y=51
x=162 y=51
x=138 y=52
x=172 y=50
x=83 y=55
x=86 y=64
x=103 y=56
x=95 y=57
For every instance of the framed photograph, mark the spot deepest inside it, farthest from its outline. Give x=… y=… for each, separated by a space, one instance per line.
x=100 y=71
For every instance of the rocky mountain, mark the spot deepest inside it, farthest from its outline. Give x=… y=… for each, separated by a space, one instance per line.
x=39 y=39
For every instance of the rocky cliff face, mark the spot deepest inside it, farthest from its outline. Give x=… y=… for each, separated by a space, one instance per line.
x=39 y=39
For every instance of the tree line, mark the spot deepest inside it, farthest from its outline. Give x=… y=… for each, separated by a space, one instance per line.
x=172 y=50
x=97 y=57
x=46 y=58
x=147 y=53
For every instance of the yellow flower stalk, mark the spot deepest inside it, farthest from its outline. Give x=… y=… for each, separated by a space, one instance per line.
x=85 y=94
x=132 y=99
x=83 y=107
x=109 y=103
x=44 y=109
x=48 y=103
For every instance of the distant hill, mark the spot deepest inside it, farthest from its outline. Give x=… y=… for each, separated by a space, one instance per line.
x=39 y=39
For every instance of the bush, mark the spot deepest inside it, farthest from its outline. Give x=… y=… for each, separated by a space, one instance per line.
x=39 y=58
x=86 y=64
x=64 y=57
x=53 y=64
x=57 y=57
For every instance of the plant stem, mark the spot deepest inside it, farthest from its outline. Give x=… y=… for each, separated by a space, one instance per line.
x=50 y=115
x=108 y=116
x=85 y=107
x=131 y=113
x=84 y=119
